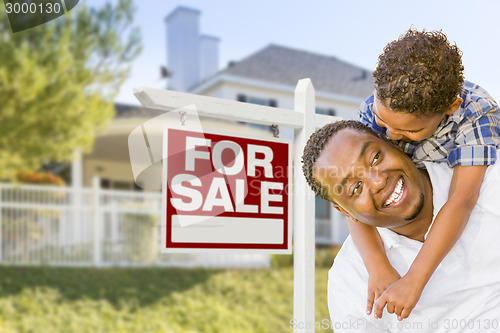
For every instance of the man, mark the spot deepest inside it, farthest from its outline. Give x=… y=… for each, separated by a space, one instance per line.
x=373 y=182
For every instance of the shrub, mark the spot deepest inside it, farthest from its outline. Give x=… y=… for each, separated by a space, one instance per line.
x=324 y=256
x=140 y=235
x=42 y=178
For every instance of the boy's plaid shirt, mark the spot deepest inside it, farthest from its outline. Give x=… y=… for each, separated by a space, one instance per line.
x=470 y=136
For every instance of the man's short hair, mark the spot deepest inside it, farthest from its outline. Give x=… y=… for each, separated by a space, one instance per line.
x=315 y=145
x=419 y=73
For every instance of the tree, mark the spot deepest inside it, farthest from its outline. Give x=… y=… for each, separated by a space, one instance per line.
x=58 y=81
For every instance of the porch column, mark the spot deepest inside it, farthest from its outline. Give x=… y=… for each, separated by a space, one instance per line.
x=76 y=199
x=77 y=170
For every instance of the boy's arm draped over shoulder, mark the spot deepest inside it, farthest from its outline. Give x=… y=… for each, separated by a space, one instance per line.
x=371 y=248
x=402 y=296
x=476 y=141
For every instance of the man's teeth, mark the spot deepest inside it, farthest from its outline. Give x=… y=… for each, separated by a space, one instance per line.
x=396 y=195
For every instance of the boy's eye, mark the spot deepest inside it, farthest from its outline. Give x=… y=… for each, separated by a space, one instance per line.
x=375 y=159
x=356 y=189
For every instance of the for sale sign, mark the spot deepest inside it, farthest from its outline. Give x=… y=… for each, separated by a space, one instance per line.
x=225 y=193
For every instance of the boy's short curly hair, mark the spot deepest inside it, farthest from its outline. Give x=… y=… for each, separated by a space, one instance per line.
x=315 y=145
x=419 y=73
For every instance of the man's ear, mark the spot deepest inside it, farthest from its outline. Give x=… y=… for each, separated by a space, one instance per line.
x=342 y=210
x=345 y=213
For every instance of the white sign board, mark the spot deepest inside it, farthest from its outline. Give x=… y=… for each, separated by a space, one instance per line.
x=225 y=193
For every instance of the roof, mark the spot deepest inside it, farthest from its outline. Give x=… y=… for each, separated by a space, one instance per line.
x=283 y=65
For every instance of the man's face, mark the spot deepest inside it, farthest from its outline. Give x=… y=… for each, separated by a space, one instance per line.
x=405 y=126
x=370 y=179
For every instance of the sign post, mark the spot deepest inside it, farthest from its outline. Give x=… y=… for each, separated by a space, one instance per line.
x=304 y=211
x=304 y=121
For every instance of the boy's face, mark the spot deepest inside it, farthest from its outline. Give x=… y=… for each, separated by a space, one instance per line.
x=405 y=126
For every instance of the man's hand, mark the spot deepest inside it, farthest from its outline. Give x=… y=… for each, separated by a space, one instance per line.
x=400 y=298
x=378 y=282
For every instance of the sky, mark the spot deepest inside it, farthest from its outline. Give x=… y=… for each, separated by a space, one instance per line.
x=355 y=31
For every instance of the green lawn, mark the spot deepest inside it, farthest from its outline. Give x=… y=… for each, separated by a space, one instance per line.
x=43 y=299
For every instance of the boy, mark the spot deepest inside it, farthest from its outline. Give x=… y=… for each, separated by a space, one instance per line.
x=422 y=103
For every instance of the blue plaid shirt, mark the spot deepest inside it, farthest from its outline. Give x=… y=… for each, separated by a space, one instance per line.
x=470 y=136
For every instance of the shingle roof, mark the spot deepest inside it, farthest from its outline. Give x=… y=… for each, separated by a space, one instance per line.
x=284 y=65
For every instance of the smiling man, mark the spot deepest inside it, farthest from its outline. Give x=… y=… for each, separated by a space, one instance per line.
x=373 y=182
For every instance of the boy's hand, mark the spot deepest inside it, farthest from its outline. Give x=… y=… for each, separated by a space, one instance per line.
x=400 y=298
x=378 y=282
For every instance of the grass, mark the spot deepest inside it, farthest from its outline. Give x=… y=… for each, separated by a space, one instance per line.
x=66 y=300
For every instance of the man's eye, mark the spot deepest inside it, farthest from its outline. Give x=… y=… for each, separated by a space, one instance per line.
x=375 y=159
x=356 y=189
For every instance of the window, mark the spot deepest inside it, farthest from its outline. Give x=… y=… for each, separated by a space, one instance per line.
x=257 y=100
x=105 y=183
x=322 y=209
x=117 y=185
x=329 y=112
x=120 y=185
x=323 y=221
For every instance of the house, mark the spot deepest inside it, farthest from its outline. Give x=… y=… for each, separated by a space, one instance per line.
x=266 y=77
x=105 y=219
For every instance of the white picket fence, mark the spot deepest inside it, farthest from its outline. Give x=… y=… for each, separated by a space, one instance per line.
x=64 y=226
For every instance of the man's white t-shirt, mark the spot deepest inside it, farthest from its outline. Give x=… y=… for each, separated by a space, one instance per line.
x=463 y=295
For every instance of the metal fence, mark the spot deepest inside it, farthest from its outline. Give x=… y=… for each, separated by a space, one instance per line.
x=65 y=226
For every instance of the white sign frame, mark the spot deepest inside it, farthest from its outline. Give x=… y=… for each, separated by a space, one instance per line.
x=289 y=222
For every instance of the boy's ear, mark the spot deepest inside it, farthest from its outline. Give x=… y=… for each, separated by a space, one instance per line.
x=454 y=107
